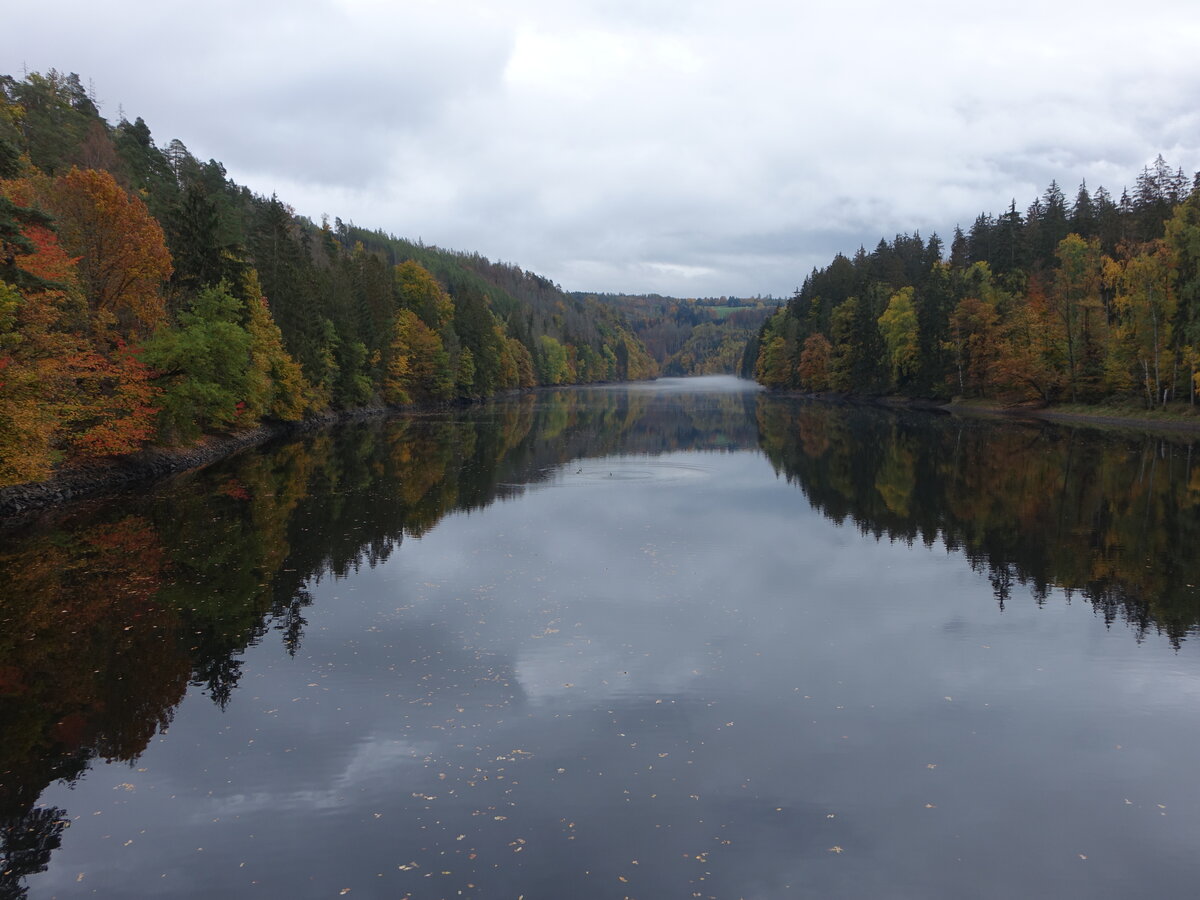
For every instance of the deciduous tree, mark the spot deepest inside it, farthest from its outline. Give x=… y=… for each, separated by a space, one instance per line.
x=123 y=258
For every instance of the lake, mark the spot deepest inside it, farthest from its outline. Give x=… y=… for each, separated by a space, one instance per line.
x=679 y=639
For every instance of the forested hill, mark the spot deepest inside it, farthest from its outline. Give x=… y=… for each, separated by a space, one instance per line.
x=145 y=296
x=1085 y=300
x=706 y=336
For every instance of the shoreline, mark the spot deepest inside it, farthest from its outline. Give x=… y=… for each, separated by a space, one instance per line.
x=96 y=478
x=984 y=409
x=1099 y=420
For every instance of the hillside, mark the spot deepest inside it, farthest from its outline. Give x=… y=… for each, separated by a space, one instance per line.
x=145 y=296
x=692 y=336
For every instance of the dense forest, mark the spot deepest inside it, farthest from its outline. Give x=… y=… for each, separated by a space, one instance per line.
x=705 y=336
x=145 y=296
x=1084 y=301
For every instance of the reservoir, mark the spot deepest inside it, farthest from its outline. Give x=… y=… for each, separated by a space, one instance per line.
x=665 y=640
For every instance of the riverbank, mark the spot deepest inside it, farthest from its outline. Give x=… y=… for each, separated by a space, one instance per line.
x=98 y=477
x=1175 y=421
x=1181 y=419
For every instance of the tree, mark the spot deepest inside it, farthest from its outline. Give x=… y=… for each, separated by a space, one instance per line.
x=196 y=241
x=1083 y=220
x=276 y=387
x=63 y=395
x=419 y=291
x=123 y=258
x=814 y=362
x=973 y=337
x=418 y=368
x=57 y=112
x=1142 y=279
x=1031 y=357
x=898 y=325
x=16 y=221
x=465 y=375
x=205 y=362
x=551 y=361
x=1075 y=300
x=1183 y=239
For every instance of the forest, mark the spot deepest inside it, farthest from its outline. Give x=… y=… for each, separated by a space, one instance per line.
x=704 y=336
x=145 y=297
x=1095 y=300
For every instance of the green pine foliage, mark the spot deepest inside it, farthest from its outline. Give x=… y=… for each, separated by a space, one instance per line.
x=268 y=315
x=1090 y=301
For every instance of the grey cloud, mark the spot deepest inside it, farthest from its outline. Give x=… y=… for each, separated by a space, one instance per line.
x=723 y=149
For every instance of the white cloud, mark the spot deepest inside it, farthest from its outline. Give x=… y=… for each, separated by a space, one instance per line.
x=713 y=148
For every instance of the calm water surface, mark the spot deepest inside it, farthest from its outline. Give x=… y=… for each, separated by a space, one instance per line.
x=671 y=640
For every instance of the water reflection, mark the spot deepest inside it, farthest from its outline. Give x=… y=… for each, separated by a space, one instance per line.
x=1113 y=517
x=112 y=612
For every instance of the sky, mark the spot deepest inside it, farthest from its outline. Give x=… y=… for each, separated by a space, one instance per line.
x=704 y=148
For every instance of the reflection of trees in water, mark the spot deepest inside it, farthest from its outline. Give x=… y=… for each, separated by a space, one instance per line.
x=27 y=843
x=1112 y=518
x=111 y=612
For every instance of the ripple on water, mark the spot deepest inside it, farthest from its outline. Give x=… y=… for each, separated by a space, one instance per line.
x=609 y=470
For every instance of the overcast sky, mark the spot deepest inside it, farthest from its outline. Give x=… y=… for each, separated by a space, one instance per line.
x=691 y=148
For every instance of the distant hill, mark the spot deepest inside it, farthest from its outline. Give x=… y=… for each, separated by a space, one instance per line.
x=692 y=336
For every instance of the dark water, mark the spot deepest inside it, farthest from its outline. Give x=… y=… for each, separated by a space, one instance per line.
x=681 y=640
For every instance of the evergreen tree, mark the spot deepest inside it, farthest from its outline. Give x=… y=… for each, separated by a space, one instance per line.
x=1083 y=218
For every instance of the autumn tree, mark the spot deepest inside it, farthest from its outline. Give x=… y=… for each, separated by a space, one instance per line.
x=276 y=387
x=551 y=361
x=1142 y=280
x=63 y=394
x=814 y=362
x=1030 y=360
x=1183 y=240
x=1074 y=298
x=973 y=335
x=418 y=368
x=419 y=291
x=123 y=258
x=898 y=326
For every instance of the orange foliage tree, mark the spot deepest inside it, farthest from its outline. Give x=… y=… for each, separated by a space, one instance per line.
x=65 y=391
x=123 y=256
